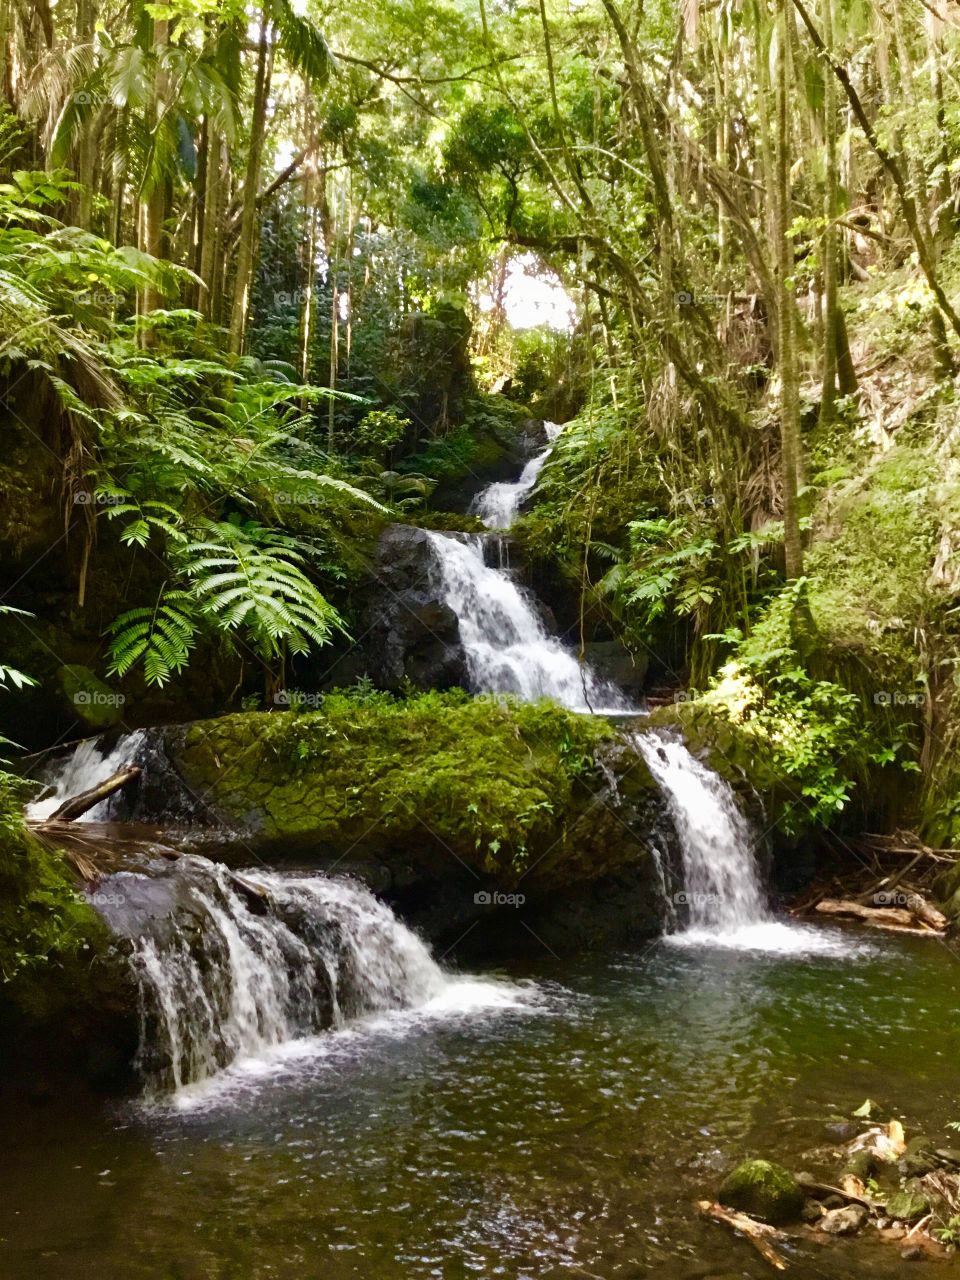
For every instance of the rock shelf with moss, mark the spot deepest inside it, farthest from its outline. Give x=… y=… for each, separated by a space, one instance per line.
x=510 y=790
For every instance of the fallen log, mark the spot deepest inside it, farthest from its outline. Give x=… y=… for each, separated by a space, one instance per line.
x=897 y=919
x=928 y=913
x=898 y=916
x=77 y=806
x=758 y=1233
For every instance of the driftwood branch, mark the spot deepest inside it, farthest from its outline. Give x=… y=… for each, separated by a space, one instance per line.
x=894 y=918
x=77 y=806
x=758 y=1233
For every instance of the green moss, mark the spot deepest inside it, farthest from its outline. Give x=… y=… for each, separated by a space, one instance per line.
x=495 y=783
x=763 y=1190
x=869 y=567
x=909 y=1204
x=43 y=919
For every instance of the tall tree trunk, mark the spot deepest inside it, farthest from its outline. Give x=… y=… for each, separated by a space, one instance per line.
x=210 y=224
x=247 y=244
x=789 y=371
x=157 y=190
x=828 y=394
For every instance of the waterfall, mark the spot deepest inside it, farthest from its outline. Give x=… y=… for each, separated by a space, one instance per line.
x=507 y=646
x=722 y=892
x=498 y=504
x=89 y=764
x=722 y=899
x=223 y=982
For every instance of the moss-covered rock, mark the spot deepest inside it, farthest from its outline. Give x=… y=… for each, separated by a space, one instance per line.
x=526 y=817
x=514 y=791
x=909 y=1204
x=89 y=698
x=67 y=996
x=763 y=1190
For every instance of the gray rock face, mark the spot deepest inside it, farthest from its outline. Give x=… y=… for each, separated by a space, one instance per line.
x=407 y=632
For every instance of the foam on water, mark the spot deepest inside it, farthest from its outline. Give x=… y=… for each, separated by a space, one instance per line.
x=87 y=766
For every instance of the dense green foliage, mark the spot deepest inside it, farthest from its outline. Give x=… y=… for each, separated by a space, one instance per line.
x=256 y=276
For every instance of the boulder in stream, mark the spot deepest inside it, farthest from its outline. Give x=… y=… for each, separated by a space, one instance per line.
x=763 y=1190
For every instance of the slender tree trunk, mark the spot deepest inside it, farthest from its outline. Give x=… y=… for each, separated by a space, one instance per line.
x=828 y=394
x=210 y=224
x=154 y=210
x=789 y=371
x=246 y=247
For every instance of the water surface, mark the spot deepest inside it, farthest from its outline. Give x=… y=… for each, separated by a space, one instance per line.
x=561 y=1126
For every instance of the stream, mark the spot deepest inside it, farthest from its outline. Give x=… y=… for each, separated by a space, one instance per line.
x=321 y=1096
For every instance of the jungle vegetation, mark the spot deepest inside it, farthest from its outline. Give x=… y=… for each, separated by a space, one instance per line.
x=255 y=265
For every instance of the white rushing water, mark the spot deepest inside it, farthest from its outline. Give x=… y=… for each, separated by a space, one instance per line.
x=84 y=769
x=723 y=896
x=225 y=991
x=499 y=504
x=507 y=646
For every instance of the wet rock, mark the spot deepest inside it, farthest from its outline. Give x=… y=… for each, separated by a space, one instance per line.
x=611 y=661
x=833 y=1202
x=948 y=1156
x=909 y=1204
x=812 y=1211
x=844 y=1222
x=410 y=633
x=913 y=1253
x=861 y=1164
x=918 y=1159
x=763 y=1190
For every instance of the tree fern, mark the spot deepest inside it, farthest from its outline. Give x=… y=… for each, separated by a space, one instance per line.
x=248 y=579
x=241 y=581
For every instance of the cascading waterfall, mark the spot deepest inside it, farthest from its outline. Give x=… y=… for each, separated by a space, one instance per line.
x=499 y=504
x=722 y=891
x=222 y=984
x=722 y=898
x=507 y=646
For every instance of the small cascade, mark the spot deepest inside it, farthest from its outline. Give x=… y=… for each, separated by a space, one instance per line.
x=722 y=891
x=90 y=763
x=722 y=901
x=507 y=646
x=222 y=983
x=499 y=504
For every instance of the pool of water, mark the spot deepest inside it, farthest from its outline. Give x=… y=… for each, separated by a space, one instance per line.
x=560 y=1124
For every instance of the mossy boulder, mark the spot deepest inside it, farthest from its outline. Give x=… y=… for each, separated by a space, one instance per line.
x=89 y=698
x=511 y=790
x=68 y=999
x=439 y=801
x=909 y=1204
x=763 y=1190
